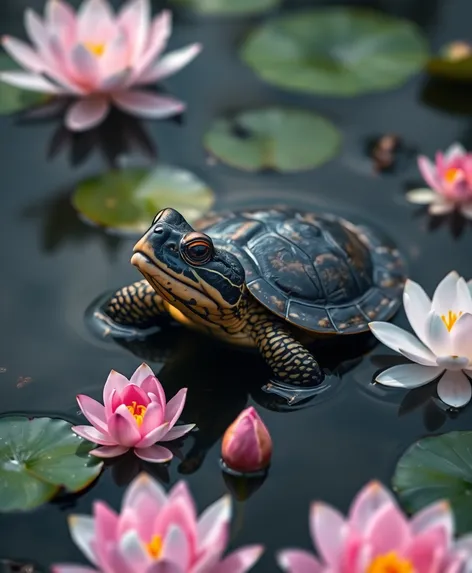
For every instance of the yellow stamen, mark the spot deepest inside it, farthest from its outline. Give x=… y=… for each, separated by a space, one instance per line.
x=95 y=49
x=450 y=319
x=138 y=412
x=154 y=547
x=451 y=175
x=390 y=563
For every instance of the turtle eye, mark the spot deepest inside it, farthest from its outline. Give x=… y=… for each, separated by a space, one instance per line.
x=196 y=249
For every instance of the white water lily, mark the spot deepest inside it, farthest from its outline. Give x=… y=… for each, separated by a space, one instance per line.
x=444 y=344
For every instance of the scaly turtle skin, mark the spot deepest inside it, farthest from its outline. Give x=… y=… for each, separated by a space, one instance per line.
x=267 y=278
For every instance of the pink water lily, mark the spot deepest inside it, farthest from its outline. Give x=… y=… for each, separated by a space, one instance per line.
x=450 y=181
x=135 y=415
x=377 y=537
x=158 y=533
x=443 y=348
x=99 y=57
x=247 y=445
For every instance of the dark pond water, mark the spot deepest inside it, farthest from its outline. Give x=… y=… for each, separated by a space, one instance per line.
x=53 y=266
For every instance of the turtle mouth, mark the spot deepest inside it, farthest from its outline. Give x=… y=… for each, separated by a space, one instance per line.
x=142 y=260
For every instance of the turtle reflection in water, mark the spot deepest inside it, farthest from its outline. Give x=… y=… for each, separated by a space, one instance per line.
x=271 y=279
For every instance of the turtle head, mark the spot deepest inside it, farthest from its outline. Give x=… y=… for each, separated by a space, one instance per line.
x=187 y=270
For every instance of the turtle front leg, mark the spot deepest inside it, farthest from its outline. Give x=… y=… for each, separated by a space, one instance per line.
x=289 y=360
x=137 y=305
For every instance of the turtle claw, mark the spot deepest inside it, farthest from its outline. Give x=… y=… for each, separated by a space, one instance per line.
x=280 y=396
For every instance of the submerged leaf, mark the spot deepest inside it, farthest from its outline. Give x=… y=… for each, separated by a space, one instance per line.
x=228 y=7
x=438 y=468
x=336 y=51
x=127 y=200
x=13 y=99
x=38 y=457
x=273 y=138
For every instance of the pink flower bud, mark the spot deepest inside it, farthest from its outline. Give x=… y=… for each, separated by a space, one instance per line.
x=247 y=445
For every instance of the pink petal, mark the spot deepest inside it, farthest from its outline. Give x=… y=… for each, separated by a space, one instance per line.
x=211 y=554
x=86 y=114
x=387 y=530
x=39 y=35
x=298 y=561
x=93 y=435
x=123 y=428
x=171 y=63
x=61 y=21
x=82 y=531
x=30 y=82
x=134 y=551
x=146 y=104
x=427 y=551
x=367 y=503
x=93 y=411
x=428 y=171
x=109 y=451
x=176 y=547
x=151 y=385
x=175 y=406
x=213 y=523
x=115 y=60
x=153 y=436
x=141 y=374
x=23 y=54
x=85 y=67
x=160 y=31
x=177 y=432
x=106 y=523
x=146 y=497
x=154 y=454
x=116 y=81
x=135 y=18
x=95 y=22
x=327 y=532
x=180 y=490
x=153 y=419
x=244 y=559
x=179 y=514
x=133 y=393
x=435 y=515
x=114 y=381
x=163 y=567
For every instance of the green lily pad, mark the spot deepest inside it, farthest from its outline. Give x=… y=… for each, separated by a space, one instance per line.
x=228 y=7
x=14 y=99
x=127 y=200
x=276 y=138
x=438 y=468
x=336 y=51
x=38 y=458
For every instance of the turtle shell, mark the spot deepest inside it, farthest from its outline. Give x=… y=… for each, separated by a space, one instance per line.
x=318 y=272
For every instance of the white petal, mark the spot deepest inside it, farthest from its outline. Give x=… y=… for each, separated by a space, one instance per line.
x=29 y=82
x=147 y=104
x=213 y=520
x=461 y=336
x=417 y=307
x=134 y=551
x=454 y=389
x=23 y=54
x=441 y=208
x=86 y=113
x=418 y=359
x=396 y=338
x=445 y=293
x=436 y=515
x=82 y=531
x=421 y=196
x=408 y=376
x=466 y=210
x=452 y=362
x=438 y=336
x=176 y=548
x=454 y=151
x=171 y=63
x=464 y=300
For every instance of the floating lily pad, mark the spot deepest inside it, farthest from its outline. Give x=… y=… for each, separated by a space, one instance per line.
x=336 y=51
x=14 y=99
x=127 y=200
x=228 y=7
x=38 y=458
x=273 y=138
x=438 y=468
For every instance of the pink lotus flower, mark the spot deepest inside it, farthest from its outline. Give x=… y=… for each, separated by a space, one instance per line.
x=158 y=533
x=377 y=537
x=99 y=57
x=136 y=415
x=247 y=445
x=450 y=179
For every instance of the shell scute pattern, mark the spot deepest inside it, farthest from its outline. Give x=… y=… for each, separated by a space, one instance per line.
x=318 y=272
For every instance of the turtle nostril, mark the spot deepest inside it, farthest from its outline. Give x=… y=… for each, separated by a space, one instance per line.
x=158 y=230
